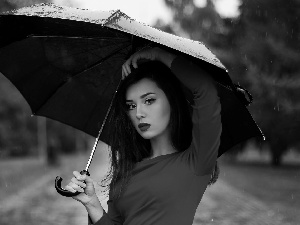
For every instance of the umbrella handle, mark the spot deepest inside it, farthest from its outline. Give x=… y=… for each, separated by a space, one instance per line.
x=64 y=192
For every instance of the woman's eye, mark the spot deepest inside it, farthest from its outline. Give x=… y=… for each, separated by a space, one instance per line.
x=130 y=106
x=149 y=101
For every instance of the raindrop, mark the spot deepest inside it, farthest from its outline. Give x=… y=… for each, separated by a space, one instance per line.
x=212 y=220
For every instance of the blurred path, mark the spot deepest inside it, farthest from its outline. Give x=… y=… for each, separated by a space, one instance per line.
x=223 y=204
x=39 y=203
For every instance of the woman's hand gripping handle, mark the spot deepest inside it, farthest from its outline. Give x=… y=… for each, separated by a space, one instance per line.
x=81 y=187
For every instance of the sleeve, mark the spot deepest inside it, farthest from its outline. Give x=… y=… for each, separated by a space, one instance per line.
x=112 y=217
x=206 y=116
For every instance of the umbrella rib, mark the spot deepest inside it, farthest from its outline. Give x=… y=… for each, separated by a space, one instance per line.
x=100 y=61
x=72 y=37
x=108 y=45
x=117 y=40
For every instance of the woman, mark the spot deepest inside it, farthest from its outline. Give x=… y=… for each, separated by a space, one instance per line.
x=164 y=148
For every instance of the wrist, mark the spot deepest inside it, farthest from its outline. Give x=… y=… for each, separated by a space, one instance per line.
x=165 y=57
x=93 y=203
x=94 y=210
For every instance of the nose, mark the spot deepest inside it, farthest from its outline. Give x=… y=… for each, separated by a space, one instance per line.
x=140 y=112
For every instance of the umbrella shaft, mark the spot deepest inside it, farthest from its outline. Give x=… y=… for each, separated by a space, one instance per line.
x=93 y=151
x=100 y=131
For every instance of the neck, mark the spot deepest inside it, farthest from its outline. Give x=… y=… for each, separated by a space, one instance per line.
x=161 y=145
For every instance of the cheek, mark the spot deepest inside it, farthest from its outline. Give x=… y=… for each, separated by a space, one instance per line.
x=132 y=118
x=165 y=112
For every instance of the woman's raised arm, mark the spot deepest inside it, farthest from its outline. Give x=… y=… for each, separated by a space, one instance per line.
x=206 y=115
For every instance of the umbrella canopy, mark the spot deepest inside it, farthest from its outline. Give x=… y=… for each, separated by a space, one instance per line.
x=66 y=62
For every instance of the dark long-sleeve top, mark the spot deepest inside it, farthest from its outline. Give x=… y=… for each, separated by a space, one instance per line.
x=167 y=189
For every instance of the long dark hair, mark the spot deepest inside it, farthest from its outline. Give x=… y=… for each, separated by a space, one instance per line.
x=127 y=146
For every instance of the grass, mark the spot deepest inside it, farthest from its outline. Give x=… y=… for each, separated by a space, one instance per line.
x=278 y=188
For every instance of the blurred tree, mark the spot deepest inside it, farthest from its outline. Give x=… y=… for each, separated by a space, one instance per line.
x=6 y=5
x=199 y=23
x=267 y=35
x=261 y=49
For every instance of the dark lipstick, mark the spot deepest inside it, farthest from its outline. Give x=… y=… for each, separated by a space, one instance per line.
x=144 y=126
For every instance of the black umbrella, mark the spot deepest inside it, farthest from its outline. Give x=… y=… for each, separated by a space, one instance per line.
x=66 y=62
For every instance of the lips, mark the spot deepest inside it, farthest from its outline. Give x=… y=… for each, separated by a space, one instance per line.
x=144 y=126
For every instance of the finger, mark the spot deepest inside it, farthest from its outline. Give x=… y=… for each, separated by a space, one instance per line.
x=76 y=187
x=124 y=72
x=135 y=58
x=76 y=174
x=79 y=176
x=89 y=181
x=68 y=188
x=127 y=66
x=79 y=183
x=128 y=63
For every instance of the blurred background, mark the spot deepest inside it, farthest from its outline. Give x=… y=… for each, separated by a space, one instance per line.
x=258 y=42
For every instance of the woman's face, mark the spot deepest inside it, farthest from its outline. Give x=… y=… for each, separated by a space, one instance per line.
x=146 y=103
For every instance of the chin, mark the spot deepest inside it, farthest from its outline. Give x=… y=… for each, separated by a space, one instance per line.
x=147 y=135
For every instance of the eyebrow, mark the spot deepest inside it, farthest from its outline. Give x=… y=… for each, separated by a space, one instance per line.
x=142 y=96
